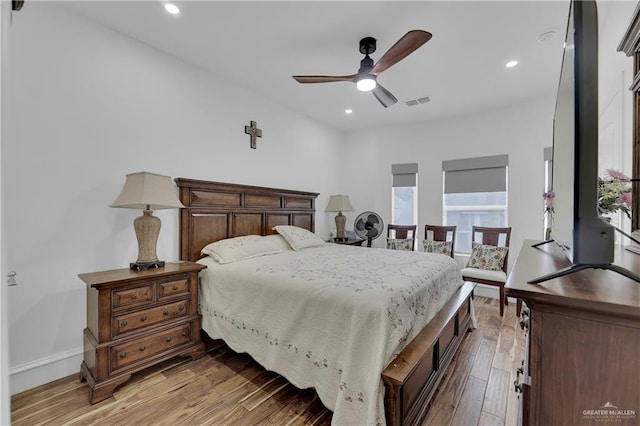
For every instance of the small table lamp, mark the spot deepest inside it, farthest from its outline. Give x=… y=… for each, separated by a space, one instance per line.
x=339 y=203
x=147 y=191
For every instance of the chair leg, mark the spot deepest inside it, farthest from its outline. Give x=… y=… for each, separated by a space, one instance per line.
x=518 y=307
x=502 y=301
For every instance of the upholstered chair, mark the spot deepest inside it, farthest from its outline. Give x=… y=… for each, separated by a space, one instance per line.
x=401 y=237
x=439 y=239
x=488 y=261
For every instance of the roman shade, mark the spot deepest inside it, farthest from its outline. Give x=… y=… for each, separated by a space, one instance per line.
x=404 y=174
x=480 y=174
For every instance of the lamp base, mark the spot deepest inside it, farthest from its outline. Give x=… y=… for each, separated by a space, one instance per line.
x=143 y=266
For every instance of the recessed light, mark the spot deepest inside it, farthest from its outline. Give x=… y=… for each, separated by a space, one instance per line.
x=348 y=111
x=171 y=8
x=511 y=64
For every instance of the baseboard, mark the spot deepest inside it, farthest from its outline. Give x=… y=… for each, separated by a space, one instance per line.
x=489 y=291
x=35 y=373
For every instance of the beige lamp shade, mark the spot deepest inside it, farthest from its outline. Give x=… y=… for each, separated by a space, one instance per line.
x=144 y=189
x=339 y=203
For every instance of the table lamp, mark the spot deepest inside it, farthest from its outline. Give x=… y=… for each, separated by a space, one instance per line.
x=339 y=203
x=148 y=192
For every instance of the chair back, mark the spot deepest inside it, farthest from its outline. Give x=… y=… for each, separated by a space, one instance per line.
x=402 y=232
x=492 y=236
x=442 y=233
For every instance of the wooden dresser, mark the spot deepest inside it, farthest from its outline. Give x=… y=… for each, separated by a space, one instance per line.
x=136 y=319
x=582 y=358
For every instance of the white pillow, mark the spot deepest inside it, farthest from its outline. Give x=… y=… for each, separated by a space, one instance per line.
x=239 y=248
x=278 y=241
x=298 y=238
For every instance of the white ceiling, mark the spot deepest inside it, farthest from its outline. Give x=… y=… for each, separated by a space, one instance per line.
x=259 y=45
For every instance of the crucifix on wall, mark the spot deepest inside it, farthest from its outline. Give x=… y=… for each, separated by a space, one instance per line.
x=253 y=131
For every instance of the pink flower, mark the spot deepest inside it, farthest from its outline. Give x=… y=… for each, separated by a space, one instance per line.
x=625 y=198
x=616 y=175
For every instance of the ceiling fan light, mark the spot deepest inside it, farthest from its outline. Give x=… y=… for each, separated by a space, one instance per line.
x=366 y=83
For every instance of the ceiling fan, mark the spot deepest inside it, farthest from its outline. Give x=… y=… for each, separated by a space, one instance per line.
x=366 y=77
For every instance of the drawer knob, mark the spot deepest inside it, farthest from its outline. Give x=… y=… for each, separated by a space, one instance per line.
x=124 y=323
x=169 y=339
x=184 y=334
x=123 y=354
x=175 y=288
x=143 y=318
x=142 y=348
x=181 y=308
x=165 y=313
x=134 y=297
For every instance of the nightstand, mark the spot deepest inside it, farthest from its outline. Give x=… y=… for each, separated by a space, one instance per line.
x=348 y=242
x=136 y=319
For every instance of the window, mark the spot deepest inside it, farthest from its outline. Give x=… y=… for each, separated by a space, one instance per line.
x=404 y=199
x=475 y=194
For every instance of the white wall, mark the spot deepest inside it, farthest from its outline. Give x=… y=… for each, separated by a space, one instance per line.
x=5 y=412
x=87 y=106
x=521 y=131
x=615 y=98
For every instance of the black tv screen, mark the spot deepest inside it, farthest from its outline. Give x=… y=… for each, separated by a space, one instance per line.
x=575 y=224
x=586 y=239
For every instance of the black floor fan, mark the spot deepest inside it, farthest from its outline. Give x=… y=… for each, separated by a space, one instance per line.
x=369 y=226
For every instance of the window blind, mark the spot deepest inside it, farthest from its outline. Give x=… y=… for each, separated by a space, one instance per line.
x=404 y=174
x=479 y=174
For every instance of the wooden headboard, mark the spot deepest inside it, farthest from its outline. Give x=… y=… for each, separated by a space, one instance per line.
x=215 y=211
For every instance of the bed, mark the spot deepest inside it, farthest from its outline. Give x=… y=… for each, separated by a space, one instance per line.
x=374 y=342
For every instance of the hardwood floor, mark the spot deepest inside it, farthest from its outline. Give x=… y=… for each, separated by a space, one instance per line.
x=224 y=388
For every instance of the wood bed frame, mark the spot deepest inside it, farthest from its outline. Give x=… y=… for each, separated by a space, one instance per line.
x=214 y=211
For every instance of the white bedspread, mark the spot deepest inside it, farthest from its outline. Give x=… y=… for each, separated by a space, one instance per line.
x=329 y=317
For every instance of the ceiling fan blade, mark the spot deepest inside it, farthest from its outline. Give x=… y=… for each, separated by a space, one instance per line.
x=403 y=47
x=384 y=96
x=323 y=78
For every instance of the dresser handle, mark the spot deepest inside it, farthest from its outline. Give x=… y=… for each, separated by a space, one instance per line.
x=169 y=339
x=134 y=297
x=123 y=354
x=143 y=318
x=142 y=348
x=124 y=323
x=175 y=288
x=165 y=313
x=518 y=386
x=184 y=334
x=516 y=382
x=181 y=308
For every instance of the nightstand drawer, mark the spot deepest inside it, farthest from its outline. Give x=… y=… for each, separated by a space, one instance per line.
x=133 y=296
x=148 y=317
x=173 y=288
x=140 y=349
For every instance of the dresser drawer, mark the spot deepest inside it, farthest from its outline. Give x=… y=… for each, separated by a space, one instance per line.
x=174 y=288
x=136 y=320
x=133 y=296
x=146 y=347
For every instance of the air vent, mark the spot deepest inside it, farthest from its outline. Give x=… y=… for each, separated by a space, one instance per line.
x=418 y=101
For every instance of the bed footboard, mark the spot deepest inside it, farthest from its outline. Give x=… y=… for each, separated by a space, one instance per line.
x=410 y=380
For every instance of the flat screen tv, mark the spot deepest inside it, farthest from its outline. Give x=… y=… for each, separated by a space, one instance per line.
x=586 y=239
